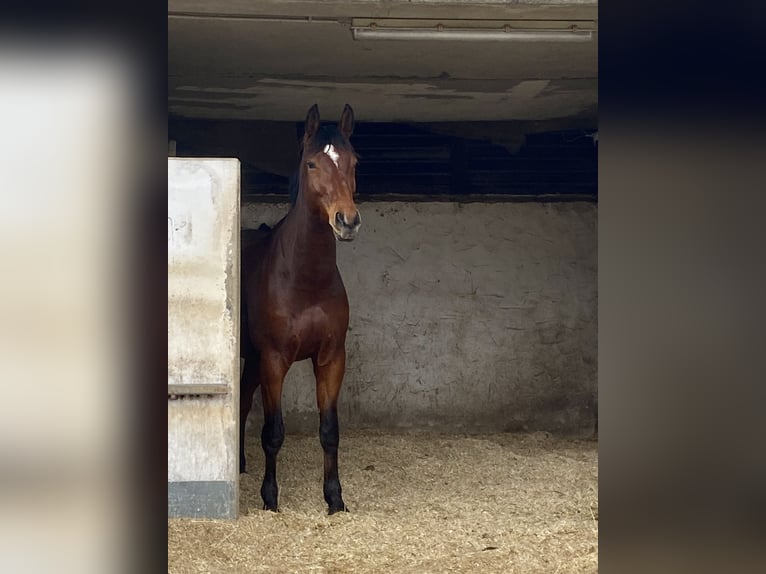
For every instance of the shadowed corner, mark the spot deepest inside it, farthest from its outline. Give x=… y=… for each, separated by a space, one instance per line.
x=65 y=336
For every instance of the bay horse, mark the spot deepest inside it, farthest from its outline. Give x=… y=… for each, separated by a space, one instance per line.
x=294 y=302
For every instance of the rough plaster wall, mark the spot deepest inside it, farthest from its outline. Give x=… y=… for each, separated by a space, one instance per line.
x=203 y=196
x=203 y=324
x=477 y=316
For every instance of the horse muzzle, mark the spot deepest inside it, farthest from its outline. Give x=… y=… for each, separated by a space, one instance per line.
x=345 y=229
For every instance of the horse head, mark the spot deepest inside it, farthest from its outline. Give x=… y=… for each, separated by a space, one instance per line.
x=328 y=173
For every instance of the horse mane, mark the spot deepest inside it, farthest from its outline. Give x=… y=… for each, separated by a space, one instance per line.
x=292 y=186
x=250 y=237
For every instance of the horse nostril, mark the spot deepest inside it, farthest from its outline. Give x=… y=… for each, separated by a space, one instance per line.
x=344 y=222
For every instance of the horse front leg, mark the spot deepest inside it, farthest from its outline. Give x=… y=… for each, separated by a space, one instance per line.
x=329 y=378
x=272 y=374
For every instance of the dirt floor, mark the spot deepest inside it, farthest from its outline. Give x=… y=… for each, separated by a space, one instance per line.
x=419 y=502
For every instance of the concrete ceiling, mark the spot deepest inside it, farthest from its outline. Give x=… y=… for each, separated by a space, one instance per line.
x=270 y=60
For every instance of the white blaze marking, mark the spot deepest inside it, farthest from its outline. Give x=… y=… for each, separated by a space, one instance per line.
x=329 y=149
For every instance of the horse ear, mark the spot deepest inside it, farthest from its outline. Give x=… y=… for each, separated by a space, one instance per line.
x=346 y=123
x=312 y=123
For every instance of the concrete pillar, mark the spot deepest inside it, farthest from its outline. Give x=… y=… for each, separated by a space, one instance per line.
x=203 y=337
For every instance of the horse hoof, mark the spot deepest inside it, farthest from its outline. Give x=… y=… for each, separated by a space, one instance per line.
x=270 y=507
x=333 y=510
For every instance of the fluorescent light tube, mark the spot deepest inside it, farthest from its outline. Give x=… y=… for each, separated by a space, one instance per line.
x=470 y=34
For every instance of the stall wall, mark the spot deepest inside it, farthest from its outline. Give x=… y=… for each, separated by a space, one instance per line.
x=464 y=317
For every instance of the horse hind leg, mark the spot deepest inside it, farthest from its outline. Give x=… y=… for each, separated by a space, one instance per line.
x=248 y=383
x=329 y=378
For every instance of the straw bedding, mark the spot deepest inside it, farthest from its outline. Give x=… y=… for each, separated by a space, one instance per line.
x=419 y=502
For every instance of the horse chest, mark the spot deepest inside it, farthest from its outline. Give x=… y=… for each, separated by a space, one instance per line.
x=307 y=330
x=312 y=331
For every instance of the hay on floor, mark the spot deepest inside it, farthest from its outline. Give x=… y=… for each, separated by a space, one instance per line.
x=419 y=502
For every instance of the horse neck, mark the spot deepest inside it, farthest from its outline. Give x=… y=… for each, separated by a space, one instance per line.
x=307 y=245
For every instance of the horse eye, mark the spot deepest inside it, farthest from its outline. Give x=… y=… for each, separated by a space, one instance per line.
x=311 y=164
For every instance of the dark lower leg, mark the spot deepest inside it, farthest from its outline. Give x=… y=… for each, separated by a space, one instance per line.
x=329 y=436
x=272 y=437
x=247 y=388
x=242 y=420
x=272 y=374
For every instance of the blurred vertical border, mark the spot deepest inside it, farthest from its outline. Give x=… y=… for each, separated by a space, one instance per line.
x=682 y=463
x=83 y=141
